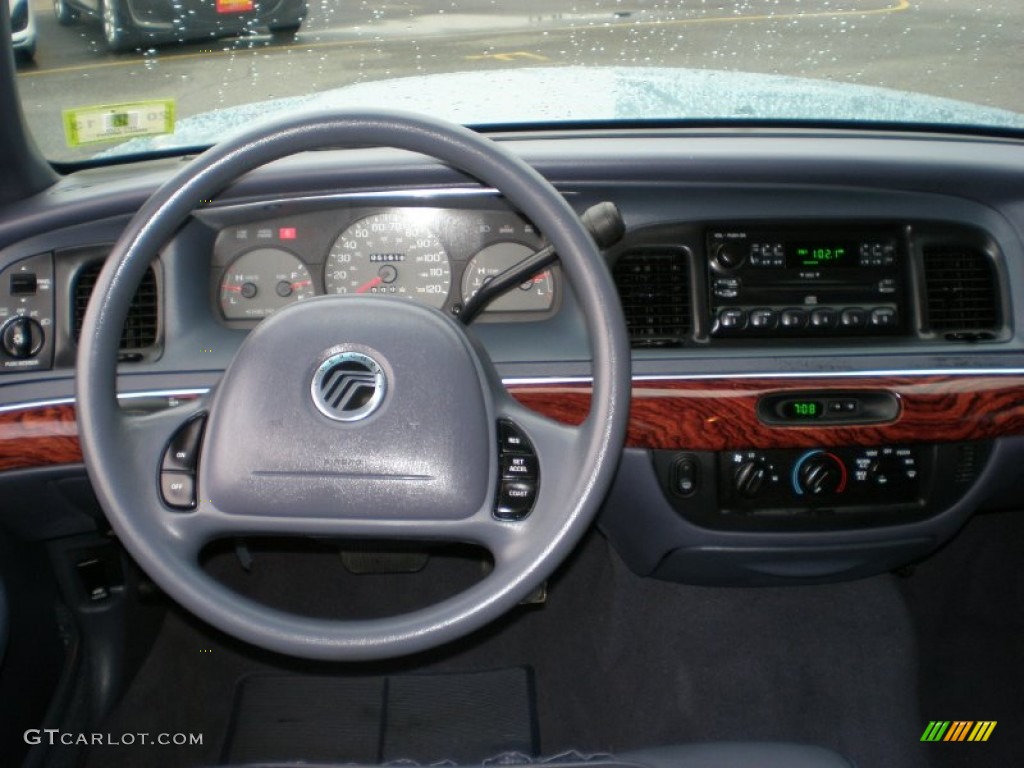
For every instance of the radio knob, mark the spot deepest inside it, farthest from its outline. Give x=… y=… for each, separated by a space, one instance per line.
x=730 y=255
x=821 y=474
x=751 y=476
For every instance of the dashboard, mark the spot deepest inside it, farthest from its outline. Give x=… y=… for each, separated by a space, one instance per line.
x=439 y=257
x=827 y=367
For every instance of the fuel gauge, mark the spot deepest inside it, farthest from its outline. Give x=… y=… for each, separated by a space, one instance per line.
x=260 y=282
x=534 y=295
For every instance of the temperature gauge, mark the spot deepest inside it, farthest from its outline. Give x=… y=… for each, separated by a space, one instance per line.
x=260 y=282
x=534 y=295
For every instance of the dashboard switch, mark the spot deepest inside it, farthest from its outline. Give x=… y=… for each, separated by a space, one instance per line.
x=182 y=453
x=177 y=475
x=22 y=338
x=178 y=489
x=685 y=473
x=24 y=284
x=516 y=467
x=511 y=439
x=519 y=474
x=515 y=500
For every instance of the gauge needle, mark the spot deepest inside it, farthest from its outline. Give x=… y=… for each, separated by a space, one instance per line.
x=368 y=285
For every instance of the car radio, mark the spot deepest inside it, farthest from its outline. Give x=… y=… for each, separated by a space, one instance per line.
x=782 y=282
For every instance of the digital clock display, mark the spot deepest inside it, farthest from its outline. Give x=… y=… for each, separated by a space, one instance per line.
x=803 y=410
x=823 y=254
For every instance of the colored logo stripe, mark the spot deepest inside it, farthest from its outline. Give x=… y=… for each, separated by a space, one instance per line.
x=958 y=730
x=982 y=730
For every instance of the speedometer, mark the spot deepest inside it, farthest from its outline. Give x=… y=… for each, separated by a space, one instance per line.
x=389 y=254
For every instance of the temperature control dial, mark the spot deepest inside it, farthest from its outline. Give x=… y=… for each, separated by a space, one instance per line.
x=819 y=473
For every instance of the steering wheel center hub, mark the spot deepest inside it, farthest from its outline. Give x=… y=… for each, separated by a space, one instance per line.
x=351 y=407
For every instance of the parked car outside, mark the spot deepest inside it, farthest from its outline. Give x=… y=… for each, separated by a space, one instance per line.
x=129 y=24
x=23 y=29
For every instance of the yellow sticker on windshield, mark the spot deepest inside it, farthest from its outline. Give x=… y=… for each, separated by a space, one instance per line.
x=115 y=122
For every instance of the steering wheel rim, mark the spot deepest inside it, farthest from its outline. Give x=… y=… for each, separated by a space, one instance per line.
x=122 y=453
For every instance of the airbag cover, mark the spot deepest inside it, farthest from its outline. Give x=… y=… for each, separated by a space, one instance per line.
x=424 y=451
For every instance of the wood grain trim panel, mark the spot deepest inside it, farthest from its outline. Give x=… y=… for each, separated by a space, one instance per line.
x=721 y=414
x=39 y=437
x=704 y=414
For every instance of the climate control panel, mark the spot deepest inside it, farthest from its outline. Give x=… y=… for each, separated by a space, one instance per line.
x=818 y=488
x=760 y=481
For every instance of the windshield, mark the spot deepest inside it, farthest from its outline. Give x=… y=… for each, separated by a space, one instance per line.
x=125 y=77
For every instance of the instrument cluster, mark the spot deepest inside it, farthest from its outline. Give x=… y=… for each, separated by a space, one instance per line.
x=439 y=257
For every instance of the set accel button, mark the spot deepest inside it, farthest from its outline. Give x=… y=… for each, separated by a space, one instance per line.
x=519 y=474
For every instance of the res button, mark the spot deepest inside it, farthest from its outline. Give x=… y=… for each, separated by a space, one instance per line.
x=519 y=473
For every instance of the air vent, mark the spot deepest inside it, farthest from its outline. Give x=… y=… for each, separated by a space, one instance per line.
x=654 y=288
x=963 y=301
x=140 y=329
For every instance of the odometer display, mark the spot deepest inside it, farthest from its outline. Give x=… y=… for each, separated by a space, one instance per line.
x=389 y=254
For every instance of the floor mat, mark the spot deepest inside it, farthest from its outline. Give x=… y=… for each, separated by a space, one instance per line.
x=463 y=717
x=619 y=663
x=968 y=607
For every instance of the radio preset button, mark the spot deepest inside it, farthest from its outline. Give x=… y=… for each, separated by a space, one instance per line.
x=732 y=319
x=853 y=317
x=826 y=317
x=883 y=317
x=793 y=318
x=763 y=318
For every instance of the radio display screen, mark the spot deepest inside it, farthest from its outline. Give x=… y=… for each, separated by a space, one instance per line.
x=820 y=254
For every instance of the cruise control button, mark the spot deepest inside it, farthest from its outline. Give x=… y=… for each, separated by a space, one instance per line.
x=515 y=500
x=519 y=467
x=511 y=440
x=183 y=451
x=178 y=489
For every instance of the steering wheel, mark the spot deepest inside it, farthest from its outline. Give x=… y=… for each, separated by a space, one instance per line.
x=355 y=417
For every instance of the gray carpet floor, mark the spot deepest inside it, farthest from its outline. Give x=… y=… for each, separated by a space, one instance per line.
x=619 y=662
